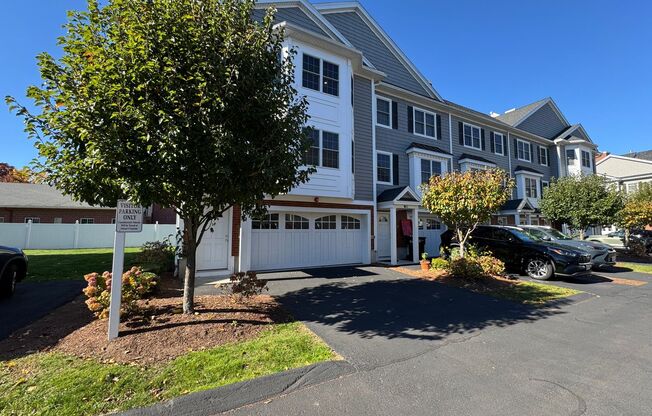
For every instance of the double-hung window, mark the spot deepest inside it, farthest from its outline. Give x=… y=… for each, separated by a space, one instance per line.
x=586 y=159
x=320 y=75
x=324 y=149
x=531 y=188
x=424 y=123
x=524 y=150
x=499 y=140
x=429 y=168
x=543 y=156
x=570 y=157
x=472 y=136
x=384 y=167
x=383 y=112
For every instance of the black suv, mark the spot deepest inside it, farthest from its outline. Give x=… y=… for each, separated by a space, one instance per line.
x=13 y=268
x=539 y=259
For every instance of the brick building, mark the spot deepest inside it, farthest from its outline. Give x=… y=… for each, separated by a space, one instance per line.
x=21 y=202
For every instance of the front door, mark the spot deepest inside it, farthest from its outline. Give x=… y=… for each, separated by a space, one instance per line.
x=213 y=251
x=383 y=240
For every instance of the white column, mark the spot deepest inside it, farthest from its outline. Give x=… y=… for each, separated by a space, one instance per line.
x=415 y=235
x=116 y=284
x=392 y=236
x=366 y=252
x=75 y=243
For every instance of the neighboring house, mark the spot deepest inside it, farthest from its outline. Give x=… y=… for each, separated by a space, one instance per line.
x=380 y=130
x=24 y=202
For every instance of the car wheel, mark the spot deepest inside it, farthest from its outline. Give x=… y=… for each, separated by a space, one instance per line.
x=8 y=281
x=539 y=269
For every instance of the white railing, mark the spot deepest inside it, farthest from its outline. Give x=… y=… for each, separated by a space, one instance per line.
x=62 y=236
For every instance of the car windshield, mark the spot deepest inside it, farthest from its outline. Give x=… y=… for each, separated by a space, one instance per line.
x=536 y=233
x=525 y=236
x=557 y=234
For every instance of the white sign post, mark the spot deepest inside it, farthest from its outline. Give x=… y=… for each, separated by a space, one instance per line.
x=128 y=219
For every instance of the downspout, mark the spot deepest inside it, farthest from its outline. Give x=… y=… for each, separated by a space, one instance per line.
x=373 y=173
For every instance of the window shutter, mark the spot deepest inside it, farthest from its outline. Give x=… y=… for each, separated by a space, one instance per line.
x=410 y=117
x=394 y=115
x=515 y=148
x=539 y=154
x=438 y=127
x=505 y=145
x=460 y=127
x=395 y=169
x=491 y=142
x=482 y=138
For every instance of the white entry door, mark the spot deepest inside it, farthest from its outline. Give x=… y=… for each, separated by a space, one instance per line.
x=383 y=239
x=213 y=251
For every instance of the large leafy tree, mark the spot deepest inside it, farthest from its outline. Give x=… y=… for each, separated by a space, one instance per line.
x=186 y=103
x=637 y=212
x=465 y=200
x=581 y=201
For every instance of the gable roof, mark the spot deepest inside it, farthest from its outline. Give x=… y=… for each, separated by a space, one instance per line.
x=518 y=115
x=435 y=149
x=400 y=193
x=576 y=129
x=517 y=205
x=30 y=195
x=645 y=155
x=347 y=17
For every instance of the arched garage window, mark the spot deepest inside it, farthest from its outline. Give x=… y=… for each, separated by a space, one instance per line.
x=266 y=222
x=296 y=222
x=350 y=223
x=326 y=223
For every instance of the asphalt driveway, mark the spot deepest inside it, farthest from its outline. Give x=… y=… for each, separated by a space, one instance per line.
x=421 y=348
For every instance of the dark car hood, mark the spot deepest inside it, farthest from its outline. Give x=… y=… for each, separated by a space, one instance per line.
x=10 y=250
x=584 y=245
x=553 y=244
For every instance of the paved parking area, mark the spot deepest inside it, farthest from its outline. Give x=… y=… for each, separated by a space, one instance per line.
x=422 y=348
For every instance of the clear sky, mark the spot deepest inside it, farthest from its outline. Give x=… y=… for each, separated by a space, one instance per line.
x=593 y=57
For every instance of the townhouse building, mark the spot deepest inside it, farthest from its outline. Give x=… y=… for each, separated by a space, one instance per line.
x=379 y=130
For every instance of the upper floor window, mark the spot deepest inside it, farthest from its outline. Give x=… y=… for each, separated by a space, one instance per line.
x=324 y=149
x=543 y=156
x=524 y=150
x=424 y=123
x=296 y=222
x=499 y=140
x=266 y=222
x=383 y=112
x=320 y=75
x=472 y=136
x=570 y=156
x=384 y=172
x=531 y=188
x=87 y=221
x=429 y=168
x=586 y=159
x=350 y=223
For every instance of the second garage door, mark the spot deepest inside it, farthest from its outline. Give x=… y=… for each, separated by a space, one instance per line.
x=288 y=240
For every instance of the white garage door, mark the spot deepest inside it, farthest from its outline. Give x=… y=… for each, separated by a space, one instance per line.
x=288 y=240
x=431 y=228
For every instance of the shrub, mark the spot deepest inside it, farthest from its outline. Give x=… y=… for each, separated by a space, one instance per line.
x=136 y=284
x=491 y=266
x=472 y=252
x=465 y=268
x=637 y=247
x=438 y=264
x=157 y=256
x=244 y=285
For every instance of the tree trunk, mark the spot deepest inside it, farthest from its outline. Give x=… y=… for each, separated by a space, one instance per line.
x=581 y=233
x=190 y=226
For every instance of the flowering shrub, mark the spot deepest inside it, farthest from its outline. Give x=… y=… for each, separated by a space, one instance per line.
x=491 y=266
x=136 y=284
x=438 y=264
x=244 y=285
x=465 y=267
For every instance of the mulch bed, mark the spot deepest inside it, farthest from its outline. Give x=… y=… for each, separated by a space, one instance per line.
x=160 y=334
x=479 y=285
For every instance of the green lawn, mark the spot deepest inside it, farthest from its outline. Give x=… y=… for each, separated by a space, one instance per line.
x=533 y=293
x=47 y=265
x=56 y=384
x=637 y=267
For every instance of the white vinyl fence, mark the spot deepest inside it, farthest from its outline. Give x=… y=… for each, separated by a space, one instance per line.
x=61 y=236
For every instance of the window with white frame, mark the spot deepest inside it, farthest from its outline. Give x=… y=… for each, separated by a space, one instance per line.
x=383 y=112
x=586 y=159
x=87 y=221
x=429 y=224
x=2 y=220
x=531 y=188
x=350 y=223
x=320 y=75
x=570 y=157
x=328 y=222
x=424 y=123
x=384 y=169
x=499 y=143
x=59 y=220
x=632 y=187
x=324 y=149
x=524 y=150
x=543 y=156
x=34 y=220
x=266 y=222
x=472 y=136
x=429 y=168
x=296 y=222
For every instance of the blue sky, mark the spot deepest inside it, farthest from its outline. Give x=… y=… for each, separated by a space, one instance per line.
x=593 y=57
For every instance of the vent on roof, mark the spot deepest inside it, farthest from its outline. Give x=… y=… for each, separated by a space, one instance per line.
x=494 y=115
x=510 y=110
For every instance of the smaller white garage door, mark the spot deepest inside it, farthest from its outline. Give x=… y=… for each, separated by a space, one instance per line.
x=288 y=240
x=431 y=228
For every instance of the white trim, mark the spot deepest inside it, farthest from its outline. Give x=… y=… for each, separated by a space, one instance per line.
x=582 y=152
x=517 y=152
x=510 y=155
x=450 y=133
x=632 y=159
x=414 y=123
x=572 y=129
x=502 y=142
x=389 y=126
x=476 y=162
x=425 y=152
x=374 y=174
x=528 y=173
x=391 y=167
x=464 y=124
x=546 y=151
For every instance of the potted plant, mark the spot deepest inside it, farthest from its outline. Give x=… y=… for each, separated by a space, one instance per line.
x=425 y=263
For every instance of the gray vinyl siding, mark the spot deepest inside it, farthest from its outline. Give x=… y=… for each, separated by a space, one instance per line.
x=544 y=122
x=364 y=39
x=397 y=141
x=292 y=15
x=362 y=130
x=501 y=161
x=578 y=133
x=547 y=171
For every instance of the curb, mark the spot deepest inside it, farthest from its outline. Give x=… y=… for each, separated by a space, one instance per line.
x=233 y=396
